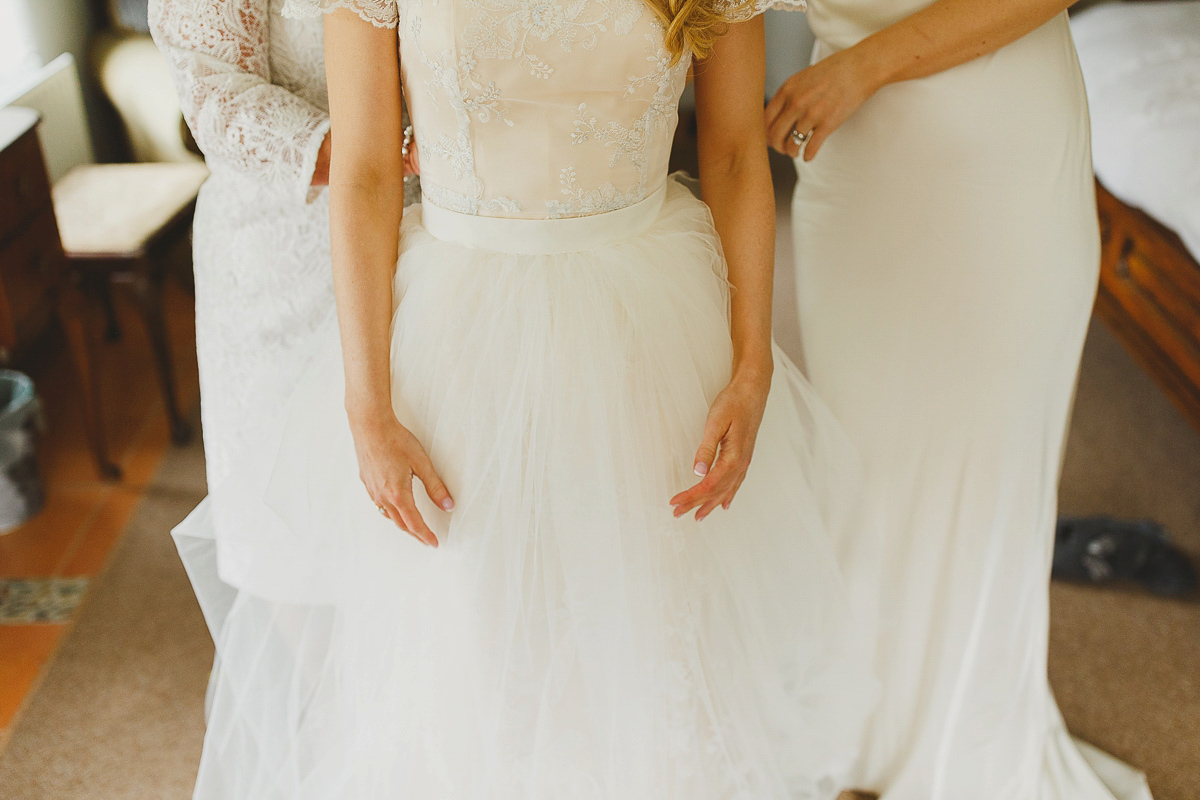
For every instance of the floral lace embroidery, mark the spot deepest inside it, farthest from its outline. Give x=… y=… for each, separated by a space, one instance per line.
x=380 y=13
x=735 y=11
x=626 y=142
x=509 y=29
x=589 y=201
x=467 y=204
x=457 y=151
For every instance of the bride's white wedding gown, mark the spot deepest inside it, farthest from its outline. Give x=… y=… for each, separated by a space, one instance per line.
x=560 y=329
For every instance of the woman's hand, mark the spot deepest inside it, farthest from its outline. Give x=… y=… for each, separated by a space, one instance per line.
x=389 y=456
x=817 y=100
x=732 y=426
x=320 y=176
x=412 y=159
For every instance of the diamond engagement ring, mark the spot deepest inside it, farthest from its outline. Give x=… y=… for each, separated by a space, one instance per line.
x=800 y=139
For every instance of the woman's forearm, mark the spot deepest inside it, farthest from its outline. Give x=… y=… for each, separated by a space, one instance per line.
x=365 y=220
x=366 y=200
x=948 y=33
x=739 y=192
x=736 y=183
x=735 y=179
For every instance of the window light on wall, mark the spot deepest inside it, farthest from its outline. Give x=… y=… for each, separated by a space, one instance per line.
x=18 y=47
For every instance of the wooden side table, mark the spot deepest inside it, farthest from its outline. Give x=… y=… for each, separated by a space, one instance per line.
x=34 y=288
x=1150 y=297
x=31 y=257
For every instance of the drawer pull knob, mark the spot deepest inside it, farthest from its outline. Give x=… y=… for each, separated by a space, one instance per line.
x=1122 y=267
x=25 y=186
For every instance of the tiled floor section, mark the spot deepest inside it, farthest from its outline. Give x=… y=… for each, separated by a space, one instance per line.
x=84 y=516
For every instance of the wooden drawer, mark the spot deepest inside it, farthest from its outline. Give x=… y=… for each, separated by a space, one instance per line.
x=1150 y=294
x=24 y=189
x=30 y=266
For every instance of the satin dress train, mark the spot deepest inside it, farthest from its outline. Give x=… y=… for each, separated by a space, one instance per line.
x=947 y=252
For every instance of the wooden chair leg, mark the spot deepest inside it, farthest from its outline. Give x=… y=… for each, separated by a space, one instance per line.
x=112 y=326
x=186 y=272
x=147 y=289
x=73 y=314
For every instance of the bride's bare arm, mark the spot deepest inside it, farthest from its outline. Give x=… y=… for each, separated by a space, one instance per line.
x=366 y=201
x=936 y=38
x=736 y=181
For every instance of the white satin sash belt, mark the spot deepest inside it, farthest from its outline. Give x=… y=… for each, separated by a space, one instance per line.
x=542 y=236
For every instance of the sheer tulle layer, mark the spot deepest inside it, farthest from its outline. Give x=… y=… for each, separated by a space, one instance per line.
x=569 y=638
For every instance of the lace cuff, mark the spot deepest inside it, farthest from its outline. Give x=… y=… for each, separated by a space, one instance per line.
x=380 y=13
x=741 y=11
x=312 y=152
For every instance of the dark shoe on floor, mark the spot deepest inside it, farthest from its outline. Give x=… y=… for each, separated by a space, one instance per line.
x=1104 y=549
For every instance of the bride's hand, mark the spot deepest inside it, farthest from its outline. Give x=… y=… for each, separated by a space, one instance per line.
x=818 y=99
x=724 y=454
x=389 y=456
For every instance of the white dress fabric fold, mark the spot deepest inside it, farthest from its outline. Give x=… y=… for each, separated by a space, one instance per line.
x=947 y=252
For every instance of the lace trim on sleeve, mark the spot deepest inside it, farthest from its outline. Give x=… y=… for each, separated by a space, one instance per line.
x=740 y=12
x=380 y=13
x=219 y=57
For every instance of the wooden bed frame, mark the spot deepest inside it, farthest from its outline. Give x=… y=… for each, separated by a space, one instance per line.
x=1150 y=297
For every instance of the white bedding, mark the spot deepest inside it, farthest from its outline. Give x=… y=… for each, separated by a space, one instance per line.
x=1141 y=63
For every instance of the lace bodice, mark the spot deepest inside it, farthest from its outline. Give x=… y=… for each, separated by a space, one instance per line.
x=533 y=108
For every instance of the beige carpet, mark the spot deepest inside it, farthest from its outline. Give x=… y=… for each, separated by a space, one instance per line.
x=119 y=715
x=1125 y=666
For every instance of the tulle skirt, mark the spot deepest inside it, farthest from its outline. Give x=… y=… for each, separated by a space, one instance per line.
x=569 y=638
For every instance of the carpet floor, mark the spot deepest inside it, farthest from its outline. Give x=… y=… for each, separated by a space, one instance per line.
x=119 y=715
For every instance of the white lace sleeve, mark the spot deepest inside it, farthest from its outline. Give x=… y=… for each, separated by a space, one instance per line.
x=740 y=12
x=218 y=54
x=380 y=13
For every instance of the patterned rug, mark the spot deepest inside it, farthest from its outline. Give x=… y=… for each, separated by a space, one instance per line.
x=32 y=601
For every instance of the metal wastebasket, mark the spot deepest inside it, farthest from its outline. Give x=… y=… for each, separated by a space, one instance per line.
x=22 y=493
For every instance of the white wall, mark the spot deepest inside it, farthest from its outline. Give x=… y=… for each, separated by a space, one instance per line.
x=789 y=46
x=65 y=26
x=61 y=26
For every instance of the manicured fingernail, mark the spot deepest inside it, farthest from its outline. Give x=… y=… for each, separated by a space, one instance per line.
x=448 y=504
x=700 y=469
